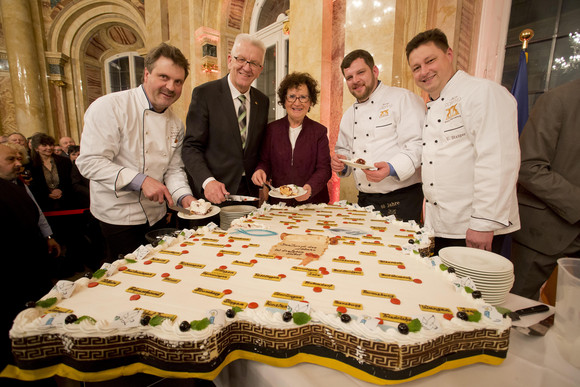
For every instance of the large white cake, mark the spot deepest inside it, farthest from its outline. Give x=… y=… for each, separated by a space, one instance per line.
x=341 y=286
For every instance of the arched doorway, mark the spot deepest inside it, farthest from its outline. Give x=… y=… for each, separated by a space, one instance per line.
x=81 y=38
x=268 y=20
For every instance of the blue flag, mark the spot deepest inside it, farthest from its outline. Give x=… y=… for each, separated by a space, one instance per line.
x=520 y=91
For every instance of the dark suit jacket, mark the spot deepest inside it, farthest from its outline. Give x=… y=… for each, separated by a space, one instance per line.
x=26 y=256
x=41 y=191
x=309 y=164
x=213 y=145
x=549 y=179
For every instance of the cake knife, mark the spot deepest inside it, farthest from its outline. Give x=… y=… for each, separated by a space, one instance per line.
x=515 y=316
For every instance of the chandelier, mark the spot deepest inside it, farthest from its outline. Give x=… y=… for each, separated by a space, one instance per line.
x=573 y=61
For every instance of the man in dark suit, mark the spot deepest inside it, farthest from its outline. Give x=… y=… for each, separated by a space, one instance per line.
x=26 y=249
x=549 y=189
x=221 y=146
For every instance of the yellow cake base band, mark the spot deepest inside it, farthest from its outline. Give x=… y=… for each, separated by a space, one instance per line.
x=71 y=373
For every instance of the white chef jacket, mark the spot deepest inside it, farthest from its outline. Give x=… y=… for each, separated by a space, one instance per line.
x=471 y=159
x=386 y=127
x=121 y=138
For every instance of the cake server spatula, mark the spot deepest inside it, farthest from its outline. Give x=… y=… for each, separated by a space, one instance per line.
x=538 y=329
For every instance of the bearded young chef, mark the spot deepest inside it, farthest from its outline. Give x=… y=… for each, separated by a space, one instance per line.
x=471 y=154
x=131 y=146
x=383 y=127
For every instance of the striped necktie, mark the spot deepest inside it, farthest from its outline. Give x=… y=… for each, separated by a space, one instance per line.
x=242 y=113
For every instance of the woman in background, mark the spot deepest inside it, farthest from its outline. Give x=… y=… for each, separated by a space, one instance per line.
x=295 y=149
x=51 y=175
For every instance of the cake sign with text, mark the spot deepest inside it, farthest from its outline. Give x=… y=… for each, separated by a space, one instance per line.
x=300 y=246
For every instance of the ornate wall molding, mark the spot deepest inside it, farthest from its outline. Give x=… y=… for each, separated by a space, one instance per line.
x=56 y=64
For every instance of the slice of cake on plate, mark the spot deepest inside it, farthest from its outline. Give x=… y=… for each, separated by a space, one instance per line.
x=199 y=207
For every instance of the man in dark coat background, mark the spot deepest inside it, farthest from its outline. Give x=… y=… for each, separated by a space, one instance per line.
x=549 y=189
x=25 y=250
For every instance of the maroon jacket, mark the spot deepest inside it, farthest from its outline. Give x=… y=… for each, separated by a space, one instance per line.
x=310 y=163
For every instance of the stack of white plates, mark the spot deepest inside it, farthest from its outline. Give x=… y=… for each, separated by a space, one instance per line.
x=492 y=274
x=230 y=213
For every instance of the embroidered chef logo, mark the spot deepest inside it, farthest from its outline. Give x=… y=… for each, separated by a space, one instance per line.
x=452 y=112
x=384 y=113
x=174 y=133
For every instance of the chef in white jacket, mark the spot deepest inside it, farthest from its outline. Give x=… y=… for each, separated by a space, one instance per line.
x=471 y=154
x=131 y=152
x=383 y=128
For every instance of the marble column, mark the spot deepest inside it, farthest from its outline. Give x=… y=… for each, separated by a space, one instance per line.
x=58 y=84
x=331 y=85
x=24 y=69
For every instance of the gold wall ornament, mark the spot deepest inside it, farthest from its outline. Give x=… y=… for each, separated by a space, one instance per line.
x=58 y=82
x=209 y=68
x=286 y=24
x=525 y=36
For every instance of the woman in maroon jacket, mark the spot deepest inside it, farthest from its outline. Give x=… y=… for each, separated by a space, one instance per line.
x=295 y=149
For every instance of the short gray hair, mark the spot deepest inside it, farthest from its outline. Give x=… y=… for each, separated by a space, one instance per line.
x=247 y=38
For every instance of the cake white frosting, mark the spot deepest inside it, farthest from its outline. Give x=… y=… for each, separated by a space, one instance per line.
x=372 y=268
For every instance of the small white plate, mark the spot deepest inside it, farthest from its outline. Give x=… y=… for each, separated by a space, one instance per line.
x=213 y=210
x=275 y=193
x=361 y=166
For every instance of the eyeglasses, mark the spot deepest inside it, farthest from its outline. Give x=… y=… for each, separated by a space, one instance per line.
x=242 y=62
x=301 y=98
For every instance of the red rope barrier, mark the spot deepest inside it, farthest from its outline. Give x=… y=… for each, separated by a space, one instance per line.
x=65 y=212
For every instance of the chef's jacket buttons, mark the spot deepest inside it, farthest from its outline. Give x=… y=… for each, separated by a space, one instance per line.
x=423 y=144
x=369 y=184
x=370 y=118
x=359 y=184
x=435 y=203
x=421 y=163
x=355 y=122
x=365 y=151
x=431 y=184
x=356 y=107
x=436 y=141
x=430 y=162
x=426 y=125
x=428 y=107
x=354 y=138
x=426 y=200
x=372 y=101
x=439 y=120
x=442 y=99
x=367 y=134
x=353 y=152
